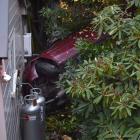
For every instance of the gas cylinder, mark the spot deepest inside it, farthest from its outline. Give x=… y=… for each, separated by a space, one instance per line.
x=41 y=101
x=31 y=119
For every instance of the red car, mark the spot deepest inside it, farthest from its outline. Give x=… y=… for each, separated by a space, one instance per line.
x=58 y=54
x=43 y=71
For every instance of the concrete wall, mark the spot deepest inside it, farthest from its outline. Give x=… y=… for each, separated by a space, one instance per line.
x=15 y=60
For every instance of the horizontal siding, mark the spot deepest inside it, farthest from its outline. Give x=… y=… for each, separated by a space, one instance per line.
x=3 y=27
x=12 y=10
x=14 y=21
x=11 y=2
x=15 y=60
x=3 y=135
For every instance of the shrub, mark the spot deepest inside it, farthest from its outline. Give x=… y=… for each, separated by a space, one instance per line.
x=105 y=87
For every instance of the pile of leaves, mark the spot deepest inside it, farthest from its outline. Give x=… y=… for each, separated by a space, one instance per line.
x=105 y=85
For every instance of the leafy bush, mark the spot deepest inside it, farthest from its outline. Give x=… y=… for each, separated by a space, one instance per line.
x=54 y=22
x=105 y=87
x=70 y=15
x=64 y=19
x=135 y=2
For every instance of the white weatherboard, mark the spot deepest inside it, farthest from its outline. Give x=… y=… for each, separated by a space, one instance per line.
x=27 y=45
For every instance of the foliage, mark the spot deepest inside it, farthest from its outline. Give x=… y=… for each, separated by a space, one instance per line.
x=110 y=81
x=101 y=2
x=64 y=19
x=85 y=48
x=54 y=21
x=135 y=2
x=61 y=123
x=105 y=86
x=102 y=127
x=70 y=15
x=119 y=25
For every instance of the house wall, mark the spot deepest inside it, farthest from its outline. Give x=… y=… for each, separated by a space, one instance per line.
x=2 y=119
x=14 y=60
x=3 y=27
